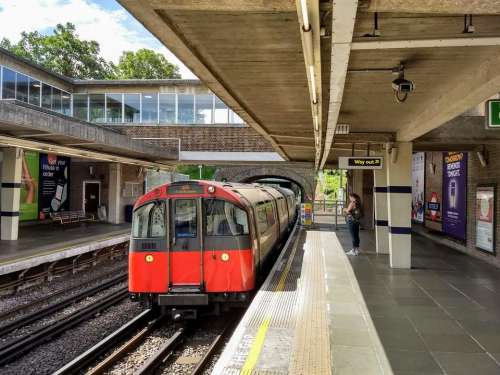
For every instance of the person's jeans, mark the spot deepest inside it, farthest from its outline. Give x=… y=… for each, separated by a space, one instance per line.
x=354 y=230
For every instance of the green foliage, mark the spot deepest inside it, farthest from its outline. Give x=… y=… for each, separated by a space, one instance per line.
x=145 y=64
x=207 y=172
x=332 y=180
x=63 y=52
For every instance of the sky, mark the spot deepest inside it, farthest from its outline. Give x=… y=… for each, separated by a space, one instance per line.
x=102 y=20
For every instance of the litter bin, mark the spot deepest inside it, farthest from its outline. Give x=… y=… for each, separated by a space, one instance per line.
x=128 y=213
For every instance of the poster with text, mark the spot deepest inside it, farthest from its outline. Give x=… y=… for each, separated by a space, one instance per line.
x=28 y=207
x=54 y=184
x=433 y=190
x=485 y=218
x=455 y=194
x=417 y=188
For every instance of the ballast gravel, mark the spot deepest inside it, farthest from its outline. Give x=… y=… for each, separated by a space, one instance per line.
x=56 y=353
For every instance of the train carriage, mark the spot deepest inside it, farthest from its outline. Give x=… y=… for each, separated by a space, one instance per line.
x=201 y=243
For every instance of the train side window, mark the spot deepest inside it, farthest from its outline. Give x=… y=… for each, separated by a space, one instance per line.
x=225 y=219
x=141 y=221
x=270 y=215
x=158 y=227
x=185 y=218
x=262 y=219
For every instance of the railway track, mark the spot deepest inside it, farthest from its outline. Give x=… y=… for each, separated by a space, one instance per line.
x=137 y=330
x=53 y=307
x=18 y=347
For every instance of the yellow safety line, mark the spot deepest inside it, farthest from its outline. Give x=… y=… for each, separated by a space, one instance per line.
x=258 y=343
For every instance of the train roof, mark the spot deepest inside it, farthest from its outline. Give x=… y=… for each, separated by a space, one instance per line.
x=232 y=191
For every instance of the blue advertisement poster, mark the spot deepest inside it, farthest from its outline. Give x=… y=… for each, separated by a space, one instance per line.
x=53 y=193
x=455 y=194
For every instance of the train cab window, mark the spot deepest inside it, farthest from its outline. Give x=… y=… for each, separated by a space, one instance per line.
x=157 y=221
x=149 y=221
x=185 y=218
x=225 y=219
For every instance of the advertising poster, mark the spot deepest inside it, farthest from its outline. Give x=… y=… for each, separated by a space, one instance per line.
x=433 y=190
x=306 y=214
x=455 y=194
x=53 y=193
x=485 y=218
x=28 y=208
x=417 y=188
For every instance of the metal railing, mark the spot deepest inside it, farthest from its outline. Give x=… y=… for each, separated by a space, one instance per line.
x=329 y=212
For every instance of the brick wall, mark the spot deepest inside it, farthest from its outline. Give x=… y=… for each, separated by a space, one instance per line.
x=203 y=138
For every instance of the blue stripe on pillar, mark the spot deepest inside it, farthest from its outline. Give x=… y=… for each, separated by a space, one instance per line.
x=9 y=213
x=400 y=230
x=399 y=189
x=11 y=185
x=381 y=223
x=380 y=189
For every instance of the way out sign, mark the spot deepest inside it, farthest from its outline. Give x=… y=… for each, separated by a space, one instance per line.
x=367 y=162
x=493 y=114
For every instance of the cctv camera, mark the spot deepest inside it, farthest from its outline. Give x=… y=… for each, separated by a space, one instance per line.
x=403 y=85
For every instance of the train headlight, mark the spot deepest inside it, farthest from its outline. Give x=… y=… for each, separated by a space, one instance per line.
x=149 y=258
x=211 y=189
x=224 y=257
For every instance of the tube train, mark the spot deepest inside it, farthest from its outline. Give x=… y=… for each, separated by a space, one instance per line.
x=197 y=244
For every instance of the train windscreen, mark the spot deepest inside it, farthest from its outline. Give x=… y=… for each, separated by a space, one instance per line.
x=149 y=221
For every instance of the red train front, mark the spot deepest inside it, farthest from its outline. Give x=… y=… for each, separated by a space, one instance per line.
x=198 y=243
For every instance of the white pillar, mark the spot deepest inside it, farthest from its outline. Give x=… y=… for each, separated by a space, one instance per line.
x=11 y=193
x=398 y=164
x=381 y=214
x=114 y=193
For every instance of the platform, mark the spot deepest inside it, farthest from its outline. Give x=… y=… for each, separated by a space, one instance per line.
x=45 y=243
x=322 y=312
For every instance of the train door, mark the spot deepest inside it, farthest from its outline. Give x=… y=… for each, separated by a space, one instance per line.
x=186 y=267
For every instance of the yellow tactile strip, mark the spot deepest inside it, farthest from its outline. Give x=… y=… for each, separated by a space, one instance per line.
x=269 y=340
x=311 y=351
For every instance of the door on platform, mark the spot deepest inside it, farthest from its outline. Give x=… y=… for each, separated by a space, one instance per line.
x=186 y=267
x=91 y=196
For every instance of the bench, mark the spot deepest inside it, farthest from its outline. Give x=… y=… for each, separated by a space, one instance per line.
x=66 y=217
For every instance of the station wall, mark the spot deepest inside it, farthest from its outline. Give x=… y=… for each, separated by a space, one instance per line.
x=477 y=175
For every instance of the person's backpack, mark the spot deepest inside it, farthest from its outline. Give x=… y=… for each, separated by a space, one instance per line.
x=357 y=213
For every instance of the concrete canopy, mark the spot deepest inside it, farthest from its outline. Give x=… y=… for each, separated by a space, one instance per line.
x=251 y=55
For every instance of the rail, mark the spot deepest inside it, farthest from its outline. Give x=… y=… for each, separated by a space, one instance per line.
x=16 y=348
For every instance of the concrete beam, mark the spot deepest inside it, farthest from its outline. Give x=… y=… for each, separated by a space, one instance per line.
x=426 y=43
x=455 y=96
x=158 y=23
x=225 y=5
x=343 y=20
x=432 y=6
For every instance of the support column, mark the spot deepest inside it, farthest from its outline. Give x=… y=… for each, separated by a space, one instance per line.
x=398 y=163
x=11 y=192
x=114 y=193
x=381 y=214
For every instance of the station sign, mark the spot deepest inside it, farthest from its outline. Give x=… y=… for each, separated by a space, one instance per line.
x=493 y=114
x=362 y=162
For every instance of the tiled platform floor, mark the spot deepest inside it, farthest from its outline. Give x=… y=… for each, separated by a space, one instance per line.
x=37 y=239
x=441 y=317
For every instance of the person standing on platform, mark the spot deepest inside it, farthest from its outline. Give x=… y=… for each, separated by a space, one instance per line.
x=354 y=214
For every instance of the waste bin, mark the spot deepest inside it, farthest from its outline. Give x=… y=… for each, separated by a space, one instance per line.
x=128 y=213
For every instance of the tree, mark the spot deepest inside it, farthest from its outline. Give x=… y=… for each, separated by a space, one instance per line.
x=145 y=64
x=63 y=52
x=207 y=172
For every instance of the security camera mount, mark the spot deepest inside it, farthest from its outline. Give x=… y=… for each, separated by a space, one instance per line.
x=401 y=86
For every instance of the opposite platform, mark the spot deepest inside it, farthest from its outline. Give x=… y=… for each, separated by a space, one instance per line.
x=41 y=244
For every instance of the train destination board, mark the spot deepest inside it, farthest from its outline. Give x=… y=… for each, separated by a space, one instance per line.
x=367 y=162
